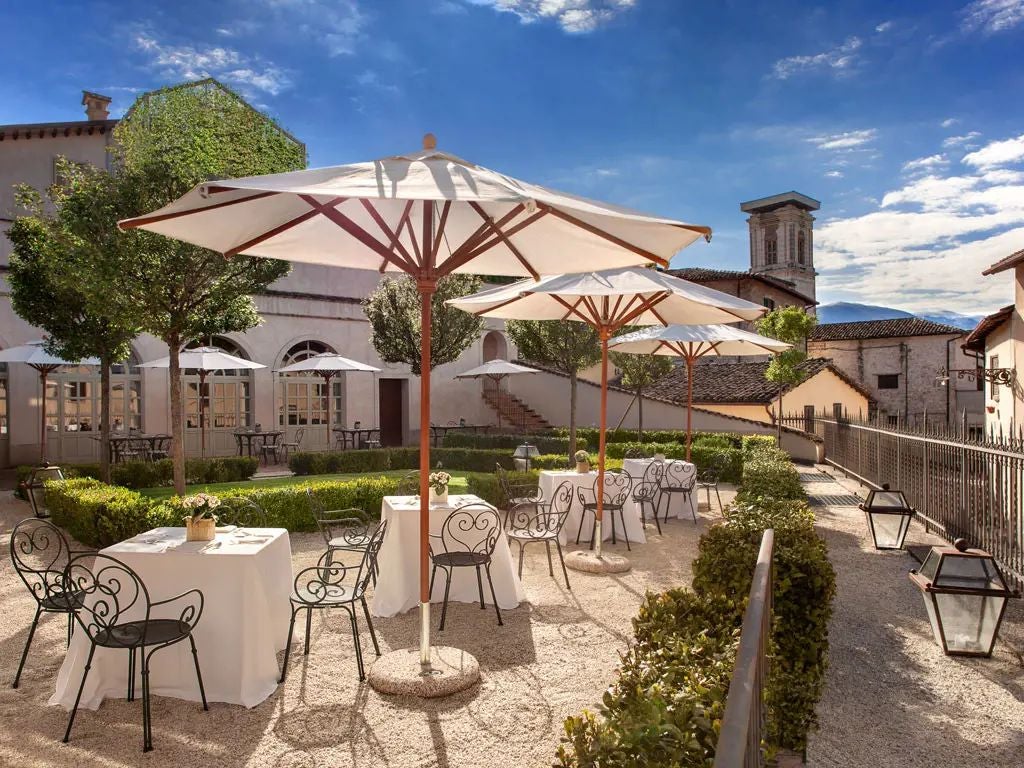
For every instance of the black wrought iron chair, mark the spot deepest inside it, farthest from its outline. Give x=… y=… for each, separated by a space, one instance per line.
x=332 y=584
x=707 y=479
x=160 y=447
x=679 y=479
x=647 y=491
x=116 y=612
x=467 y=540
x=288 y=446
x=516 y=494
x=616 y=490
x=409 y=485
x=541 y=522
x=343 y=529
x=242 y=512
x=136 y=449
x=40 y=553
x=271 y=449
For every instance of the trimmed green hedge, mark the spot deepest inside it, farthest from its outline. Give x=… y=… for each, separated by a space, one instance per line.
x=486 y=486
x=383 y=459
x=702 y=454
x=545 y=443
x=590 y=434
x=752 y=444
x=151 y=474
x=768 y=473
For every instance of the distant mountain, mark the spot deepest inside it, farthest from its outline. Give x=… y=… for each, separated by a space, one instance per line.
x=849 y=312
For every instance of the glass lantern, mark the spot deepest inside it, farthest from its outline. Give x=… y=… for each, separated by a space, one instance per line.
x=33 y=487
x=965 y=596
x=888 y=515
x=523 y=454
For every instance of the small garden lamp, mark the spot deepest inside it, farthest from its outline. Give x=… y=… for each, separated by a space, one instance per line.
x=965 y=596
x=524 y=453
x=33 y=487
x=888 y=515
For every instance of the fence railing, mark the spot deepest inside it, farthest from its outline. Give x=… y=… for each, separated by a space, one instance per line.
x=739 y=741
x=961 y=488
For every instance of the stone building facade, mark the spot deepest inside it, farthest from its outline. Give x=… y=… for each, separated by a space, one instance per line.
x=782 y=239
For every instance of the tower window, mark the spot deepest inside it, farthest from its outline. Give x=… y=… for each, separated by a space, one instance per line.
x=888 y=381
x=801 y=248
x=771 y=250
x=791 y=242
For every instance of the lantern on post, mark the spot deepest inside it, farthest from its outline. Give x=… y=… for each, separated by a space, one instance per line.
x=33 y=487
x=888 y=515
x=965 y=596
x=523 y=454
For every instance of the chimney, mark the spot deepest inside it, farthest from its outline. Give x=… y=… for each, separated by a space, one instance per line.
x=97 y=107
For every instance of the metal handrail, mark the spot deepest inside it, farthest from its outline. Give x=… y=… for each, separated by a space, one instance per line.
x=739 y=741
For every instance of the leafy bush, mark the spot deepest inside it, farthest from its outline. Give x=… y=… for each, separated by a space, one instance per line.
x=590 y=434
x=769 y=473
x=382 y=459
x=152 y=474
x=753 y=444
x=509 y=441
x=333 y=462
x=486 y=486
x=704 y=454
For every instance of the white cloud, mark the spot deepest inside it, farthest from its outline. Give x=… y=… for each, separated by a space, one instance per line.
x=270 y=79
x=991 y=16
x=370 y=79
x=337 y=25
x=965 y=141
x=925 y=163
x=833 y=174
x=884 y=27
x=949 y=122
x=573 y=16
x=449 y=7
x=845 y=141
x=997 y=153
x=838 y=60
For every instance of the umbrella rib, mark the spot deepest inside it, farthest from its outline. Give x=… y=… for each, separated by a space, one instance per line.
x=494 y=307
x=645 y=305
x=572 y=308
x=470 y=243
x=143 y=220
x=610 y=237
x=269 y=234
x=392 y=235
x=504 y=238
x=358 y=233
x=477 y=250
x=440 y=230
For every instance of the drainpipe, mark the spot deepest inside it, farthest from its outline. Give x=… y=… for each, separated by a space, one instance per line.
x=949 y=377
x=905 y=354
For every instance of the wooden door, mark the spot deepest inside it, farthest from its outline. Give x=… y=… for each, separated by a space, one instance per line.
x=392 y=411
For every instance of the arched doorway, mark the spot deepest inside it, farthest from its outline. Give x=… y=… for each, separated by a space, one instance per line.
x=302 y=399
x=495 y=346
x=228 y=401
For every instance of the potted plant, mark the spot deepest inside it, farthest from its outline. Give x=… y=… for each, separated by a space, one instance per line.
x=582 y=462
x=438 y=482
x=200 y=521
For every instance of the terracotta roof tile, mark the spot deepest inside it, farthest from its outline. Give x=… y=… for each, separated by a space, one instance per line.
x=882 y=329
x=705 y=275
x=976 y=339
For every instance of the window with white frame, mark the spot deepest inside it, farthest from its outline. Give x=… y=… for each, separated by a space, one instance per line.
x=74 y=395
x=302 y=397
x=227 y=393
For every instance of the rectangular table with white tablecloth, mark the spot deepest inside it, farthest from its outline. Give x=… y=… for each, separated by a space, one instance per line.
x=245 y=576
x=550 y=480
x=398 y=585
x=676 y=504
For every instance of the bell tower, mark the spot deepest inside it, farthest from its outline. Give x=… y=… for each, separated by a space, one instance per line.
x=782 y=238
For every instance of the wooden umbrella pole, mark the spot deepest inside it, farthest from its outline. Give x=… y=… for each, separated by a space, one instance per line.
x=327 y=382
x=202 y=412
x=689 y=404
x=601 y=441
x=42 y=421
x=426 y=288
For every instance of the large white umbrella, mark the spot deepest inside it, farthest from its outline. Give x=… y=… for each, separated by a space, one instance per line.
x=691 y=342
x=327 y=365
x=34 y=355
x=427 y=214
x=204 y=360
x=608 y=301
x=495 y=370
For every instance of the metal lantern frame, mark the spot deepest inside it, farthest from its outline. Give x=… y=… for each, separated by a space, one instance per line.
x=929 y=579
x=526 y=452
x=34 y=489
x=877 y=504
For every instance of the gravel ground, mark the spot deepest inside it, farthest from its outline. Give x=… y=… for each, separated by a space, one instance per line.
x=892 y=698
x=555 y=655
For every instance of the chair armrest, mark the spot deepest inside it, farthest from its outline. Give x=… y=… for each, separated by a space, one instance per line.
x=526 y=491
x=191 y=607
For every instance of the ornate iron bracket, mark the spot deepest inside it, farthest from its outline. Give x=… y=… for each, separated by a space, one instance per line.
x=1007 y=376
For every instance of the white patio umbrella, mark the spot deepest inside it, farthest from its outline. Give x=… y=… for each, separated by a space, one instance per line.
x=327 y=365
x=34 y=355
x=427 y=214
x=608 y=301
x=495 y=370
x=691 y=342
x=204 y=360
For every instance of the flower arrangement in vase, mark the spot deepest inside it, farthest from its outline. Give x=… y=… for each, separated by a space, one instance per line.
x=582 y=462
x=438 y=482
x=200 y=521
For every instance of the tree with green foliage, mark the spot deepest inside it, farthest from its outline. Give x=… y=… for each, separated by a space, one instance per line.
x=394 y=312
x=638 y=373
x=565 y=345
x=792 y=325
x=170 y=141
x=63 y=276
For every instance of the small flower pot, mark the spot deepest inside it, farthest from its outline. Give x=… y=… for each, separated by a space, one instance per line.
x=438 y=497
x=583 y=467
x=201 y=530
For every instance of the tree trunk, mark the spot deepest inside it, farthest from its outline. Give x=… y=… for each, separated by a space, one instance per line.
x=572 y=415
x=177 y=415
x=640 y=414
x=105 y=363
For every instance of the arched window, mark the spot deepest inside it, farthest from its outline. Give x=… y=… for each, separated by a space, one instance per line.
x=228 y=393
x=495 y=346
x=73 y=398
x=302 y=397
x=801 y=247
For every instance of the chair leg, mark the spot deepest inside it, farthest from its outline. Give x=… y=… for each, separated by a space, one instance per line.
x=199 y=675
x=668 y=507
x=288 y=647
x=369 y=623
x=78 y=698
x=28 y=642
x=358 y=645
x=433 y=572
x=611 y=519
x=565 y=573
x=579 y=531
x=131 y=675
x=625 y=533
x=494 y=597
x=444 y=607
x=480 y=586
x=521 y=548
x=718 y=496
x=147 y=712
x=551 y=568
x=309 y=627
x=71 y=627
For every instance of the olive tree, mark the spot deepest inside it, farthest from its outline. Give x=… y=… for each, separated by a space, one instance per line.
x=638 y=373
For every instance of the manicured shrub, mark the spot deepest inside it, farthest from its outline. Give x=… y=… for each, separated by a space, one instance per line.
x=549 y=443
x=728 y=459
x=335 y=462
x=486 y=485
x=590 y=434
x=380 y=460
x=769 y=473
x=752 y=444
x=153 y=474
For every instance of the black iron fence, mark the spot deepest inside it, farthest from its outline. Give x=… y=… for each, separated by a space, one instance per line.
x=739 y=741
x=961 y=487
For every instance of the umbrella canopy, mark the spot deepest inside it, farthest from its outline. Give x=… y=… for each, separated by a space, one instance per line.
x=608 y=301
x=495 y=369
x=427 y=214
x=691 y=342
x=327 y=362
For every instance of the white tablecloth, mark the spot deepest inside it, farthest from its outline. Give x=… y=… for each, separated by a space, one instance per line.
x=246 y=582
x=398 y=584
x=677 y=504
x=549 y=482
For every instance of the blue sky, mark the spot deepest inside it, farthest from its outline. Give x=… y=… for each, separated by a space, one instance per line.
x=904 y=119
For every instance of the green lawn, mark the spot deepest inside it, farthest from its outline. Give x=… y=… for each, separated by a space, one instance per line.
x=458 y=484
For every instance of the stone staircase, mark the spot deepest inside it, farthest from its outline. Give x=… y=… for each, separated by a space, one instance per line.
x=513 y=411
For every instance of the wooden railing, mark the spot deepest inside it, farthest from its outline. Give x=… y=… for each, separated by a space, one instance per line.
x=739 y=741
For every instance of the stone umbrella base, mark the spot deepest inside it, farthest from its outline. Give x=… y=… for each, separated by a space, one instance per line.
x=589 y=562
x=400 y=672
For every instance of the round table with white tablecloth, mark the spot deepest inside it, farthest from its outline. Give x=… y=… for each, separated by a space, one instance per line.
x=676 y=504
x=398 y=584
x=550 y=480
x=246 y=579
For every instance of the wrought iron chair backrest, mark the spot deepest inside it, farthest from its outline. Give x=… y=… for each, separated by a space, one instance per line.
x=331 y=580
x=348 y=525
x=372 y=550
x=615 y=491
x=111 y=594
x=472 y=528
x=40 y=553
x=709 y=475
x=679 y=475
x=648 y=486
x=241 y=511
x=540 y=519
x=409 y=485
x=299 y=434
x=162 y=443
x=503 y=481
